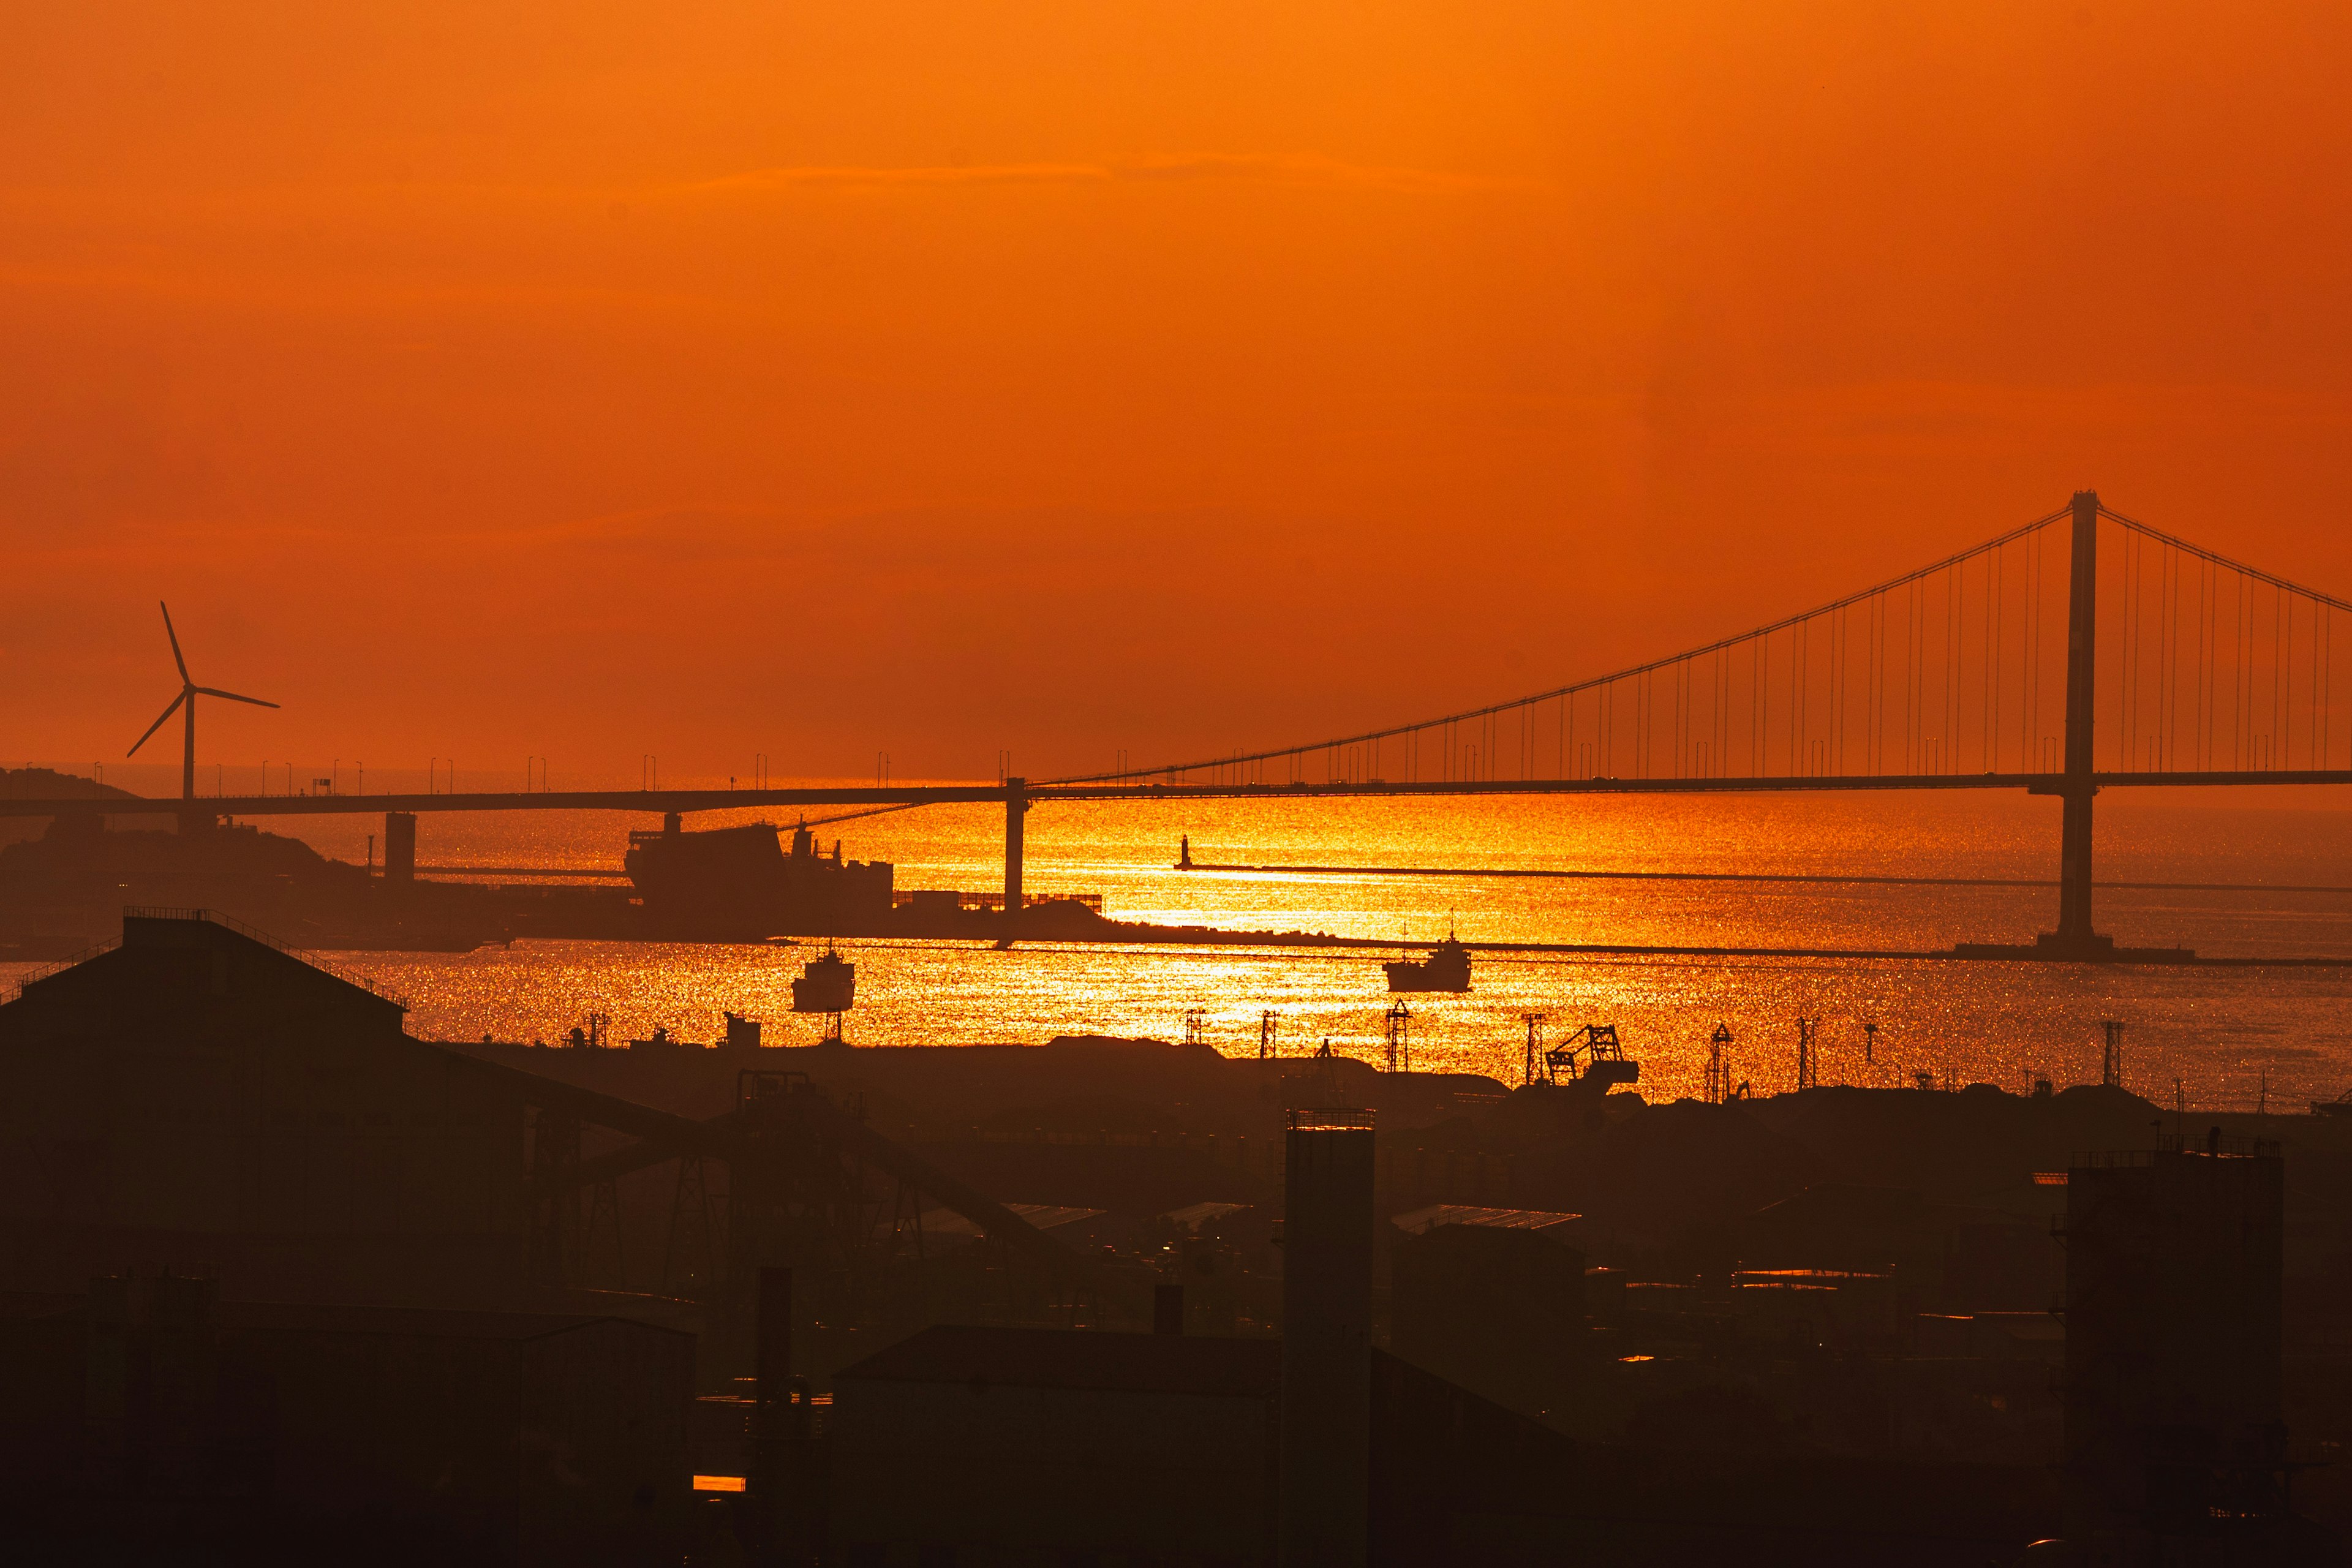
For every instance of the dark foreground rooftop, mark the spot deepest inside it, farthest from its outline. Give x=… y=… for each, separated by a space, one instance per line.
x=1053 y=1358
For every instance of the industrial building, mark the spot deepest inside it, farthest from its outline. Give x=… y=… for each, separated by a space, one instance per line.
x=1053 y=1441
x=197 y=1098
x=1022 y=1445
x=149 y=1415
x=344 y=1285
x=336 y=1264
x=2174 y=1441
x=1493 y=1305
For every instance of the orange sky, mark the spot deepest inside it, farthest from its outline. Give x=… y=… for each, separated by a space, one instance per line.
x=710 y=378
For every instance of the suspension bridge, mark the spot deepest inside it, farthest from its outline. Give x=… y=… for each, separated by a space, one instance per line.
x=2080 y=651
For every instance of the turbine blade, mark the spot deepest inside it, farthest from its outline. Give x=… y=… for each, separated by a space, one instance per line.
x=185 y=680
x=158 y=724
x=232 y=697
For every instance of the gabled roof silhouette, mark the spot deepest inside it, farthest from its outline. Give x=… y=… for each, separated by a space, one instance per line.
x=253 y=956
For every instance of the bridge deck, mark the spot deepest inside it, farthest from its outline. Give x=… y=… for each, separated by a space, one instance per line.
x=657 y=801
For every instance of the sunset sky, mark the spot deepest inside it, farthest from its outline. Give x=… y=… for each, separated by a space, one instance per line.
x=700 y=379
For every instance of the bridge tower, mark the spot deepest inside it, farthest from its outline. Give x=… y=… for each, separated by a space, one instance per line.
x=2075 y=938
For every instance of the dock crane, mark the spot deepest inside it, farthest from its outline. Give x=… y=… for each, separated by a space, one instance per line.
x=1605 y=1064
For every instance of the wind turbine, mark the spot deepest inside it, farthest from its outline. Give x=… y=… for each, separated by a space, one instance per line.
x=189 y=692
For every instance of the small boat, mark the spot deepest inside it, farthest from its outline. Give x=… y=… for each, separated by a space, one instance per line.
x=1447 y=968
x=2340 y=1106
x=827 y=983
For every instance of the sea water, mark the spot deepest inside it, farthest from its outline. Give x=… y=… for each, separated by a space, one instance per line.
x=2238 y=1037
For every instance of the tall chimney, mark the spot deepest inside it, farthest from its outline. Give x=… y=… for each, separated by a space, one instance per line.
x=1326 y=1440
x=786 y=1523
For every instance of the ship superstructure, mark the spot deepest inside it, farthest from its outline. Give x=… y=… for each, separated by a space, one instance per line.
x=739 y=883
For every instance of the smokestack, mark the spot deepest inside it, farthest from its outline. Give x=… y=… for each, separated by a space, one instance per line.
x=1168 y=1309
x=788 y=1479
x=1326 y=1438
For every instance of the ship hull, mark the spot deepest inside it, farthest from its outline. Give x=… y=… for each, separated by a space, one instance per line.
x=1405 y=975
x=823 y=997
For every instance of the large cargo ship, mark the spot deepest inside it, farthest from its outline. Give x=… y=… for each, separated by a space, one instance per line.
x=737 y=883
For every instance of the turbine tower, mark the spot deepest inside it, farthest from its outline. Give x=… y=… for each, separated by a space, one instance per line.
x=189 y=692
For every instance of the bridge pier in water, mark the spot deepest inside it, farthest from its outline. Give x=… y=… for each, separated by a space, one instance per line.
x=1016 y=806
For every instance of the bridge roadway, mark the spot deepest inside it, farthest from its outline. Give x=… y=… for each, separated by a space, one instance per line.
x=662 y=802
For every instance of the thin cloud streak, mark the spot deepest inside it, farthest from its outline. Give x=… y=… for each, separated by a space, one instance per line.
x=49 y=206
x=1289 y=169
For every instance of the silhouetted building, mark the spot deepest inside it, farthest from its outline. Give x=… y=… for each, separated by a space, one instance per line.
x=198 y=1099
x=148 y=1415
x=1496 y=1308
x=1021 y=1446
x=2173 y=1349
x=1940 y=1256
x=962 y=1440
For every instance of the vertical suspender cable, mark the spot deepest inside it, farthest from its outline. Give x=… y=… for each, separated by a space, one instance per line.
x=2209 y=616
x=1985 y=690
x=2311 y=742
x=1914 y=693
x=1792 y=699
x=2156 y=741
x=2278 y=671
x=1955 y=625
x=2137 y=555
x=2029 y=706
x=1883 y=608
x=2246 y=671
x=2197 y=735
x=1999 y=608
x=2172 y=660
x=2171 y=726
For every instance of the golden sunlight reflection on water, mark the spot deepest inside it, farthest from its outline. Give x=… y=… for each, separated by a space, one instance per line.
x=2221 y=1031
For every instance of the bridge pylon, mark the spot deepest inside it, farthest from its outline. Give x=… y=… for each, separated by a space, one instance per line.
x=2075 y=938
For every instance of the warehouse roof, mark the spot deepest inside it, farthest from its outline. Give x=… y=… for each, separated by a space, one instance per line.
x=985 y=1358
